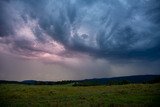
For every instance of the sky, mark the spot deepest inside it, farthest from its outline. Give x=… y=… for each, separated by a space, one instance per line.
x=55 y=40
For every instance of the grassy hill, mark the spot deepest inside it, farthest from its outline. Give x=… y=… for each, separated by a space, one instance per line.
x=134 y=95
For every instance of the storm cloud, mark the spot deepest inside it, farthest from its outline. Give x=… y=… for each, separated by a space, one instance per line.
x=67 y=31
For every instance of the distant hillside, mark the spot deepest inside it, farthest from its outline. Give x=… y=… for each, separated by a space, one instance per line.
x=121 y=80
x=95 y=81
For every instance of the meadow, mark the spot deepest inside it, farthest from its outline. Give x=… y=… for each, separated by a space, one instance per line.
x=132 y=95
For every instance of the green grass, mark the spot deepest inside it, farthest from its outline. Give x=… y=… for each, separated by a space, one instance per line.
x=134 y=95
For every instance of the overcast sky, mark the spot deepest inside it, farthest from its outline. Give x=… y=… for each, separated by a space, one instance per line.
x=78 y=39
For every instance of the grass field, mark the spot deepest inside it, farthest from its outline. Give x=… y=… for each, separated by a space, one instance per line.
x=132 y=95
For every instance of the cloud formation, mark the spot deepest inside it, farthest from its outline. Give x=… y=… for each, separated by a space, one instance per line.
x=82 y=34
x=100 y=28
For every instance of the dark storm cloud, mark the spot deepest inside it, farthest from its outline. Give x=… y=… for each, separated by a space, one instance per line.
x=102 y=28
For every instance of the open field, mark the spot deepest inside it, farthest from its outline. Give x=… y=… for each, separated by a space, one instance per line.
x=134 y=95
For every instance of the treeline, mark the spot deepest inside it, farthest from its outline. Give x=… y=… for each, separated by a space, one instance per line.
x=90 y=82
x=115 y=82
x=33 y=82
x=47 y=82
x=95 y=83
x=155 y=80
x=9 y=82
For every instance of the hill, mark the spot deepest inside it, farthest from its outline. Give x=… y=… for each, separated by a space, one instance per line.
x=92 y=82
